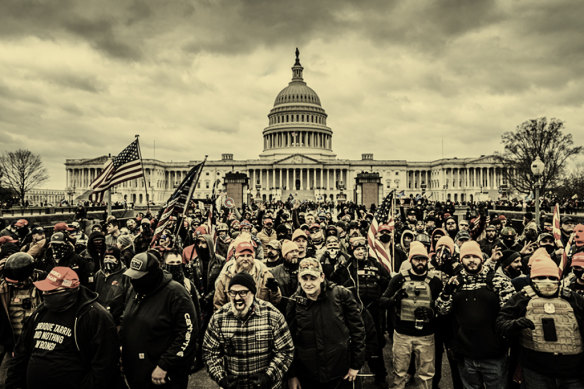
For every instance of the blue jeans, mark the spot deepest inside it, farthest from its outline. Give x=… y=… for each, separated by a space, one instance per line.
x=534 y=380
x=483 y=373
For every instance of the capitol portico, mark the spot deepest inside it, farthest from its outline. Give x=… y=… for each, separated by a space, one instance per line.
x=298 y=160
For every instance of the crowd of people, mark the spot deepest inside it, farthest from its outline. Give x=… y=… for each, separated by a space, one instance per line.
x=293 y=295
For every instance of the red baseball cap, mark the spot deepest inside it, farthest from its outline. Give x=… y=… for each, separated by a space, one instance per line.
x=62 y=226
x=243 y=247
x=21 y=223
x=59 y=277
x=7 y=239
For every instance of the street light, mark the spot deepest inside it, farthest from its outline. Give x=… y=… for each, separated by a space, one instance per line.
x=537 y=168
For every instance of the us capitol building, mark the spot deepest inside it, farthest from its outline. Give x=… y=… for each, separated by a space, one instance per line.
x=298 y=159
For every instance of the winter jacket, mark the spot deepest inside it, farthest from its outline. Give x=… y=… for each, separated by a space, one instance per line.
x=205 y=276
x=328 y=334
x=266 y=238
x=113 y=290
x=158 y=329
x=97 y=344
x=260 y=274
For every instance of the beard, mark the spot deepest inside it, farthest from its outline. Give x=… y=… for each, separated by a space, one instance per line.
x=473 y=269
x=420 y=269
x=239 y=312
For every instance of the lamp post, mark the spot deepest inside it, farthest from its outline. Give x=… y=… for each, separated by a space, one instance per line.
x=537 y=168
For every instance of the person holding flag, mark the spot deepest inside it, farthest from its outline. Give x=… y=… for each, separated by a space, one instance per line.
x=378 y=250
x=367 y=279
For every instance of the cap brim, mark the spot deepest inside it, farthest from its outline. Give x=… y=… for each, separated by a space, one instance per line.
x=135 y=274
x=314 y=273
x=45 y=285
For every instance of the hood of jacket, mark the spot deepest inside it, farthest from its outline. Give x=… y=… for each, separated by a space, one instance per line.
x=92 y=250
x=436 y=230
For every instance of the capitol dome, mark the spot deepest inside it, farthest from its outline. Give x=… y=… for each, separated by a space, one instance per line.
x=297 y=122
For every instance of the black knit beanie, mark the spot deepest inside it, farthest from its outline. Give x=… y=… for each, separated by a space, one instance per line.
x=243 y=279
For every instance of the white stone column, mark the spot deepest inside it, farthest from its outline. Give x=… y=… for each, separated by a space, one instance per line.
x=294 y=179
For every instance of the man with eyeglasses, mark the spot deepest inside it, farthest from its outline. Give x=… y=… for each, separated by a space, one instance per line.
x=328 y=331
x=247 y=343
x=548 y=320
x=70 y=341
x=450 y=227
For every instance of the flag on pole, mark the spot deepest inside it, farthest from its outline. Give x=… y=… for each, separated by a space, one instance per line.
x=384 y=215
x=558 y=237
x=177 y=203
x=126 y=166
x=212 y=230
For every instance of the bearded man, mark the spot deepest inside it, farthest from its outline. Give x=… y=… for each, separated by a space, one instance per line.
x=245 y=261
x=234 y=353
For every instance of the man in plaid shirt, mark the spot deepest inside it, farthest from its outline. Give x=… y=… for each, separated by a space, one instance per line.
x=247 y=343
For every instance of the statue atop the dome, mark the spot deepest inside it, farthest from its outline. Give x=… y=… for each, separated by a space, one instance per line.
x=297 y=57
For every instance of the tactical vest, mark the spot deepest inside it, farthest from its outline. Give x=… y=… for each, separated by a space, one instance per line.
x=554 y=313
x=23 y=302
x=419 y=294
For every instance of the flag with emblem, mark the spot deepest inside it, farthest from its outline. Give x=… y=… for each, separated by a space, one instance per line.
x=177 y=203
x=126 y=166
x=383 y=215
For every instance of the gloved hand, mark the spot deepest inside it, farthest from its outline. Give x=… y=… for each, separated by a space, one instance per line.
x=424 y=313
x=228 y=382
x=523 y=323
x=398 y=296
x=450 y=287
x=272 y=285
x=262 y=381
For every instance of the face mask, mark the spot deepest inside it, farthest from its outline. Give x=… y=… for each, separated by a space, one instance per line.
x=272 y=255
x=110 y=265
x=509 y=241
x=176 y=271
x=333 y=252
x=60 y=302
x=578 y=273
x=317 y=237
x=59 y=251
x=203 y=252
x=147 y=283
x=549 y=248
x=546 y=288
x=385 y=238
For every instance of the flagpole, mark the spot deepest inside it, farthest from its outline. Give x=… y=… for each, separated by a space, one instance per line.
x=393 y=232
x=109 y=202
x=180 y=222
x=143 y=173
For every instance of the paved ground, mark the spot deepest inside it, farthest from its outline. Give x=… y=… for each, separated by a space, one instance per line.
x=201 y=380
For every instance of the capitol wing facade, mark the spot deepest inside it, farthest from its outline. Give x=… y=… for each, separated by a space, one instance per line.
x=298 y=160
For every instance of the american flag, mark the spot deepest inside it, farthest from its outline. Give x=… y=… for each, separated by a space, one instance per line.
x=126 y=166
x=178 y=202
x=558 y=237
x=384 y=215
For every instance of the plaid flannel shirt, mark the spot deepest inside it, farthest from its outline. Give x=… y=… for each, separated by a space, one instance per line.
x=243 y=348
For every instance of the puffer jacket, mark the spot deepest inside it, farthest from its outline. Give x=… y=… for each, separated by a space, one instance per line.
x=328 y=334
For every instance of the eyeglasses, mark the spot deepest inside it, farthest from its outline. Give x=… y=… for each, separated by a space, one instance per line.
x=450 y=223
x=240 y=293
x=463 y=225
x=545 y=278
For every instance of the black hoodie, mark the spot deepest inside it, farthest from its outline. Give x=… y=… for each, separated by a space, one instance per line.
x=96 y=349
x=158 y=329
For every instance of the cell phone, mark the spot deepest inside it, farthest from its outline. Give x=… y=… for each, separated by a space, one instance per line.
x=549 y=329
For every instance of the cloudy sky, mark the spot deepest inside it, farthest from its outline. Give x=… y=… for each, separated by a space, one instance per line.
x=80 y=79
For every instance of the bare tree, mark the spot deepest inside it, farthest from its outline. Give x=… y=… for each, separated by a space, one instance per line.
x=536 y=138
x=22 y=171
